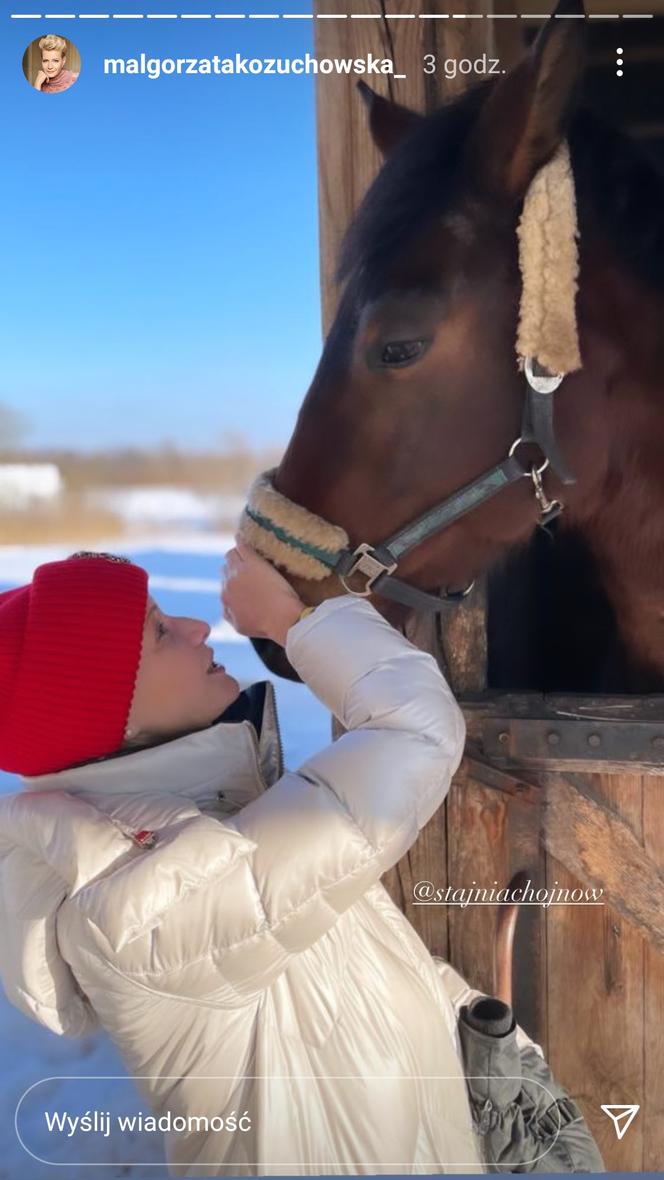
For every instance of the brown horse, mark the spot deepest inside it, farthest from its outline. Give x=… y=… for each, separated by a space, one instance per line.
x=417 y=391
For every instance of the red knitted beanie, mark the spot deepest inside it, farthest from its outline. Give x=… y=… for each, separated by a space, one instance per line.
x=70 y=647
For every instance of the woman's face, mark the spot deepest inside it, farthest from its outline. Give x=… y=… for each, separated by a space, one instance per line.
x=52 y=62
x=178 y=689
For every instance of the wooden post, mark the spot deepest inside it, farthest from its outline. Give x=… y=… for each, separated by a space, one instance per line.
x=347 y=158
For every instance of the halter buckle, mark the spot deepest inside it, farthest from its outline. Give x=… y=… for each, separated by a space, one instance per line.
x=364 y=562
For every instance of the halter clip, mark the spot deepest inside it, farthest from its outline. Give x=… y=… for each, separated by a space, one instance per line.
x=364 y=562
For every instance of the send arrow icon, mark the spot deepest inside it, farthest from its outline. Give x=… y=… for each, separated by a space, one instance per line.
x=623 y=1117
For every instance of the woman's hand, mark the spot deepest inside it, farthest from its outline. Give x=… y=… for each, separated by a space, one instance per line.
x=39 y=80
x=257 y=600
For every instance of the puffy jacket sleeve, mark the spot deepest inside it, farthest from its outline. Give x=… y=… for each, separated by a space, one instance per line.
x=34 y=976
x=325 y=833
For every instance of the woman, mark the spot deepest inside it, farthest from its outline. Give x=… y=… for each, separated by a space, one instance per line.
x=53 y=76
x=222 y=919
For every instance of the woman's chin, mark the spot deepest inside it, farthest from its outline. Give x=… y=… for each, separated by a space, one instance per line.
x=230 y=688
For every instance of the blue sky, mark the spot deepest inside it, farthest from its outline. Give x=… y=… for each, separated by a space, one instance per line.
x=159 y=237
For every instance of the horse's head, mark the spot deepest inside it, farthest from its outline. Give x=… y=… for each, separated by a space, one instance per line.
x=418 y=391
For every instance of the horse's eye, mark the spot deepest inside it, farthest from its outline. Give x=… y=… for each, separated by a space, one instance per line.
x=402 y=352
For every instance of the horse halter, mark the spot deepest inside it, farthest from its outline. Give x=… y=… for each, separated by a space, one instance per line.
x=378 y=562
x=547 y=347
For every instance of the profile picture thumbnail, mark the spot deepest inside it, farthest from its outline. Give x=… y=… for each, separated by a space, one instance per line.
x=51 y=64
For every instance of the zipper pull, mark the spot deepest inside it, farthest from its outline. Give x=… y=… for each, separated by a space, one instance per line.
x=485 y=1120
x=145 y=838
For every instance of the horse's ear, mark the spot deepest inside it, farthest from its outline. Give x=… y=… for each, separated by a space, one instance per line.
x=388 y=122
x=526 y=115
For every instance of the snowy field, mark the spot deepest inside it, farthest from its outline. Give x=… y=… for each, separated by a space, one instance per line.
x=184 y=579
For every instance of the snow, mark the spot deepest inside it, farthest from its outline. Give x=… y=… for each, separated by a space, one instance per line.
x=18 y=562
x=166 y=505
x=22 y=483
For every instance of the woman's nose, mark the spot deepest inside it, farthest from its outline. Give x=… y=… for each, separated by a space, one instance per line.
x=198 y=630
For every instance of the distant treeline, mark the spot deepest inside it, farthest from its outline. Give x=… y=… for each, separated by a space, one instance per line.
x=228 y=469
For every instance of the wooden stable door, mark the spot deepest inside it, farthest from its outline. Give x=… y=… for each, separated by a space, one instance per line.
x=588 y=978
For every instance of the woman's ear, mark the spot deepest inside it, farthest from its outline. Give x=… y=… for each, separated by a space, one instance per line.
x=132 y=737
x=527 y=113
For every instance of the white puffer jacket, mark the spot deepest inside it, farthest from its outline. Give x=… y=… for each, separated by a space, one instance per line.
x=251 y=952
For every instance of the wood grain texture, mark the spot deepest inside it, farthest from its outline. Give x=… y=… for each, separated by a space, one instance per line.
x=601 y=845
x=653 y=994
x=595 y=965
x=492 y=835
x=347 y=157
x=463 y=639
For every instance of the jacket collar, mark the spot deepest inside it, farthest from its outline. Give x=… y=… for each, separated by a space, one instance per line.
x=239 y=756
